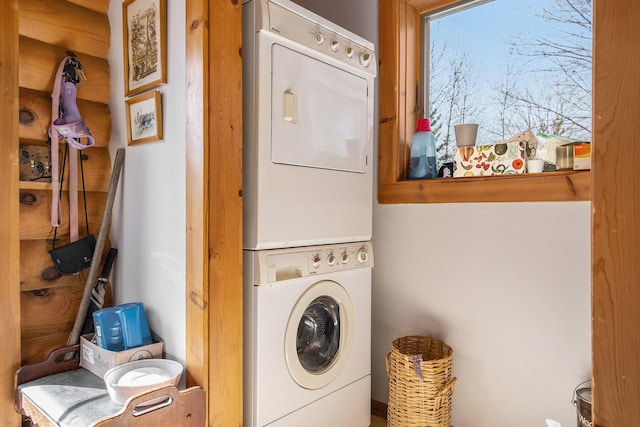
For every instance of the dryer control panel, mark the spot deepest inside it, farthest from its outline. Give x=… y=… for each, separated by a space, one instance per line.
x=293 y=22
x=275 y=265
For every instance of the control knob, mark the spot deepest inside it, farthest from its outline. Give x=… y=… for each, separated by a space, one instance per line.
x=335 y=44
x=319 y=38
x=363 y=255
x=331 y=259
x=344 y=257
x=316 y=261
x=365 y=59
x=349 y=52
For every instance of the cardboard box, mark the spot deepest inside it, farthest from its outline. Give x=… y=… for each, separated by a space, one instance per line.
x=581 y=156
x=484 y=160
x=99 y=360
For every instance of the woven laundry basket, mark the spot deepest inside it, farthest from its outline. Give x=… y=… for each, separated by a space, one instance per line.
x=415 y=401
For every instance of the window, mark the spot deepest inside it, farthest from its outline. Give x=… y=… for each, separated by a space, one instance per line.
x=509 y=66
x=403 y=95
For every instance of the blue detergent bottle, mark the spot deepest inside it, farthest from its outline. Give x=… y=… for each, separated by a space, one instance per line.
x=422 y=163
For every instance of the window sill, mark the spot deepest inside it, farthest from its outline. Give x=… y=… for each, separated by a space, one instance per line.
x=543 y=187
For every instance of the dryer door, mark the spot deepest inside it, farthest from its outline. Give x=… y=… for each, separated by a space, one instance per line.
x=319 y=114
x=319 y=334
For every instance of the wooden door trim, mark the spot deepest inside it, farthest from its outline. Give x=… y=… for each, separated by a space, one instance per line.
x=196 y=227
x=214 y=206
x=9 y=211
x=615 y=215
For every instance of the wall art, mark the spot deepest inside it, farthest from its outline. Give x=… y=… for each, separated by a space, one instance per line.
x=144 y=118
x=145 y=47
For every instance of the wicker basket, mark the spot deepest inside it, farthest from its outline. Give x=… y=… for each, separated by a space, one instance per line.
x=415 y=401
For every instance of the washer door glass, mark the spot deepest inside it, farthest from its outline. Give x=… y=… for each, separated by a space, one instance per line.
x=318 y=338
x=319 y=334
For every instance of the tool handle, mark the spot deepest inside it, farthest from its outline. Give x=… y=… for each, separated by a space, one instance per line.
x=97 y=295
x=74 y=337
x=108 y=263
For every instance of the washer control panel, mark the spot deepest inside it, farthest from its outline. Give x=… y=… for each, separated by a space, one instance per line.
x=275 y=265
x=329 y=258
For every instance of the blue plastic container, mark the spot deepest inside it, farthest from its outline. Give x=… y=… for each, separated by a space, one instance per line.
x=122 y=327
x=108 y=329
x=135 y=329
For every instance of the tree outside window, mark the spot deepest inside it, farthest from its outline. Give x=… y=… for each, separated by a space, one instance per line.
x=509 y=66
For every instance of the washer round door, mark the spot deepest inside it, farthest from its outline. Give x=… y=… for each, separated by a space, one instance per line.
x=319 y=334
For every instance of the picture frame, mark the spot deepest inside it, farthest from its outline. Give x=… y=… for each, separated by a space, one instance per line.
x=145 y=45
x=144 y=118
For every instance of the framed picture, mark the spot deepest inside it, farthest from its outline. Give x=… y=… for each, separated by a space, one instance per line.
x=145 y=45
x=144 y=118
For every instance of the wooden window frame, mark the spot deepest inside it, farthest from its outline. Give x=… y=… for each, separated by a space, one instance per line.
x=399 y=52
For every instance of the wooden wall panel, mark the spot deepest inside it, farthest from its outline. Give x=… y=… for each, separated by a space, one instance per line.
x=96 y=163
x=35 y=117
x=37 y=349
x=399 y=39
x=225 y=213
x=616 y=214
x=426 y=5
x=37 y=270
x=197 y=260
x=49 y=311
x=35 y=214
x=412 y=73
x=9 y=213
x=39 y=61
x=101 y=6
x=389 y=71
x=61 y=23
x=36 y=36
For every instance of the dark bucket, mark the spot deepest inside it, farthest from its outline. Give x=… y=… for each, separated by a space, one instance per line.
x=583 y=406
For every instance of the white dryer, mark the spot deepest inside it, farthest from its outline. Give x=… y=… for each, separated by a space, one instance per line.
x=308 y=108
x=308 y=336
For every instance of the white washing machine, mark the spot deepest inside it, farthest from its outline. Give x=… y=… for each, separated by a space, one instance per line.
x=308 y=114
x=308 y=336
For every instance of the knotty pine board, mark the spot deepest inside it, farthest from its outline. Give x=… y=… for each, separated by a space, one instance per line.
x=38 y=62
x=61 y=23
x=35 y=117
x=37 y=270
x=95 y=162
x=35 y=214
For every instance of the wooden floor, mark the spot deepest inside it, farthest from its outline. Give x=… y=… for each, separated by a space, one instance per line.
x=378 y=422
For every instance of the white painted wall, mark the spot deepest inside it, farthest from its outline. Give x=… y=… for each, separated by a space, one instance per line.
x=149 y=218
x=507 y=285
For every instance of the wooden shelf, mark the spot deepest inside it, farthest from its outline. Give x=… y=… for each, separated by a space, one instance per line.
x=543 y=187
x=35 y=185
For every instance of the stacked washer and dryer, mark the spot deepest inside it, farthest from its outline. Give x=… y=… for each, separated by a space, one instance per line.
x=308 y=199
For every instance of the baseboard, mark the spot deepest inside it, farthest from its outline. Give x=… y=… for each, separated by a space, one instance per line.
x=379 y=409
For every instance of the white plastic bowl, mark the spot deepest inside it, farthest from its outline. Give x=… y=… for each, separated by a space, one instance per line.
x=138 y=377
